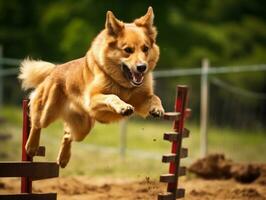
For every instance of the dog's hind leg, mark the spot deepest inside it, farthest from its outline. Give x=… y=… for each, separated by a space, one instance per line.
x=65 y=150
x=77 y=126
x=45 y=106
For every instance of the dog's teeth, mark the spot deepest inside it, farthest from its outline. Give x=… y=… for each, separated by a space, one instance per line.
x=137 y=78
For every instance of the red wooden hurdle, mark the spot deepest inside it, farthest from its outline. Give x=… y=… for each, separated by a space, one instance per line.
x=177 y=152
x=27 y=169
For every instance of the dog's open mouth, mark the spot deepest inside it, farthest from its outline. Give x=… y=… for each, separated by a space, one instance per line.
x=135 y=78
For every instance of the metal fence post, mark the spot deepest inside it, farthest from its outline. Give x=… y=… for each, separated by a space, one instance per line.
x=123 y=137
x=204 y=108
x=1 y=77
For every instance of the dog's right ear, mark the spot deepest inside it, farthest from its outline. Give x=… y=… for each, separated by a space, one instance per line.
x=113 y=25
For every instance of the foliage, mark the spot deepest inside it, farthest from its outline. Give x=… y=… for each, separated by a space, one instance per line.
x=227 y=32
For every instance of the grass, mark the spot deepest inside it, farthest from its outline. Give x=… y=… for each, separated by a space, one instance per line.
x=98 y=154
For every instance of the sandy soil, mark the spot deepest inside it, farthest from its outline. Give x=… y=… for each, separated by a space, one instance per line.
x=220 y=179
x=83 y=188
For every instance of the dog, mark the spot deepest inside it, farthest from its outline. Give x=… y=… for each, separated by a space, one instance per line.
x=112 y=81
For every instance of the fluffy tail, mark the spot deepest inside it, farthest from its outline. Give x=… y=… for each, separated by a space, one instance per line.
x=33 y=72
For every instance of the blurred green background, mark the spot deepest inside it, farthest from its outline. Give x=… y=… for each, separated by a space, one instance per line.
x=228 y=33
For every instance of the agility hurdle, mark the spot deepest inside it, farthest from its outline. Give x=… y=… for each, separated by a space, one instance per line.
x=177 y=152
x=27 y=169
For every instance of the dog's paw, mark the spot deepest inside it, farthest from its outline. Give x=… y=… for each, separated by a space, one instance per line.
x=31 y=150
x=63 y=163
x=157 y=112
x=63 y=160
x=126 y=110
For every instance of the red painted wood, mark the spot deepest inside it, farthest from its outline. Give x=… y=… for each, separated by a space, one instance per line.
x=26 y=182
x=178 y=126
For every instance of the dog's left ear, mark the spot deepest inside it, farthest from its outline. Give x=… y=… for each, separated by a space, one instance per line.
x=146 y=21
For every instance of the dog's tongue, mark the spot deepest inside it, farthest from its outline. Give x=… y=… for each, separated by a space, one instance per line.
x=137 y=77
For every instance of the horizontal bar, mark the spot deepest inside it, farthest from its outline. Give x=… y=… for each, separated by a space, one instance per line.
x=182 y=171
x=171 y=136
x=171 y=115
x=168 y=178
x=7 y=72
x=185 y=133
x=34 y=170
x=166 y=196
x=26 y=196
x=167 y=158
x=211 y=70
x=180 y=193
x=184 y=153
x=41 y=151
x=188 y=112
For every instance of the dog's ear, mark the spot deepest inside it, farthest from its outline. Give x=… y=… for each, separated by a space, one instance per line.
x=146 y=21
x=113 y=25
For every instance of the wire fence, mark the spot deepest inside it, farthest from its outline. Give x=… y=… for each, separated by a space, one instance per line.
x=177 y=72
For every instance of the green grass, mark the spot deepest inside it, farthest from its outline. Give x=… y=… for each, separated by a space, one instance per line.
x=98 y=154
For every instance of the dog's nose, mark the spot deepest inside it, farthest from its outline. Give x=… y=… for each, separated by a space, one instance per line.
x=141 y=67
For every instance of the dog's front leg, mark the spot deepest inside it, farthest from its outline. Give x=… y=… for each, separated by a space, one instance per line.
x=152 y=105
x=109 y=103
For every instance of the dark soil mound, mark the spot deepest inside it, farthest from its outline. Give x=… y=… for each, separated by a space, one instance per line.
x=245 y=173
x=262 y=178
x=216 y=166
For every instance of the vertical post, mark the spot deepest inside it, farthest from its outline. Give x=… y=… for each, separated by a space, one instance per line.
x=204 y=108
x=178 y=126
x=1 y=77
x=26 y=182
x=123 y=137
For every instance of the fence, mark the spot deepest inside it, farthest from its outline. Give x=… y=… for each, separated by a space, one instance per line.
x=204 y=72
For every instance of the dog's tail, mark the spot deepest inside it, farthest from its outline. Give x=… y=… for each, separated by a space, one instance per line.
x=33 y=72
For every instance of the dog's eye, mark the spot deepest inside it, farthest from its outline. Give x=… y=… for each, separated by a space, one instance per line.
x=145 y=49
x=128 y=50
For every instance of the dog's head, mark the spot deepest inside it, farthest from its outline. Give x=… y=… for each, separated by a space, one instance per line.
x=130 y=51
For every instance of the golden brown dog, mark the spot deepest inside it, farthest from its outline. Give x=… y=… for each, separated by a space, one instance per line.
x=113 y=80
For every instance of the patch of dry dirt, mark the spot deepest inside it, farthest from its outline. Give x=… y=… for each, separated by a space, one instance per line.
x=84 y=188
x=218 y=179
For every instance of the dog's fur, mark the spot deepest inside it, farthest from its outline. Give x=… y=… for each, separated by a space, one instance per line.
x=105 y=85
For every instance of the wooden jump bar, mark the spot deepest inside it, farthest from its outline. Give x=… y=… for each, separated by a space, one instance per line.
x=167 y=178
x=173 y=136
x=26 y=196
x=172 y=157
x=34 y=170
x=171 y=115
x=180 y=193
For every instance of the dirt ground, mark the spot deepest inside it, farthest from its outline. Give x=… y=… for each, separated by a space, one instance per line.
x=83 y=188
x=217 y=179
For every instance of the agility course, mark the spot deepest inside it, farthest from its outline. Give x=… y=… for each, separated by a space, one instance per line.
x=27 y=169
x=83 y=188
